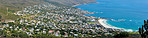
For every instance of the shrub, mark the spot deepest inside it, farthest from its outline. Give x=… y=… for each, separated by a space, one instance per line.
x=122 y=35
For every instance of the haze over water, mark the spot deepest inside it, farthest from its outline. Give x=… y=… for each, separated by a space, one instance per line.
x=134 y=12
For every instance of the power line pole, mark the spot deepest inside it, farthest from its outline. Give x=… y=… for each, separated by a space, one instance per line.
x=7 y=10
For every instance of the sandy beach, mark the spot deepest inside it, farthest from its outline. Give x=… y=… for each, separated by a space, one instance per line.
x=104 y=23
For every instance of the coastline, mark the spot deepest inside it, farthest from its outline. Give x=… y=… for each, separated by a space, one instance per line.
x=81 y=4
x=76 y=5
x=103 y=22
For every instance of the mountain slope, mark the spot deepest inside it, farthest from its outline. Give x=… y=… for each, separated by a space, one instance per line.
x=72 y=2
x=15 y=5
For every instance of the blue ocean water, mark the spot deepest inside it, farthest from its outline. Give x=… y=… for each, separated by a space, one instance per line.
x=134 y=12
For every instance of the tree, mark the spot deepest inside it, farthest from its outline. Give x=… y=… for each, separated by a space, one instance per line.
x=122 y=35
x=10 y=23
x=23 y=35
x=143 y=33
x=0 y=17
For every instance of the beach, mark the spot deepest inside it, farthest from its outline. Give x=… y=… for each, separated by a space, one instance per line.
x=103 y=22
x=126 y=15
x=76 y=5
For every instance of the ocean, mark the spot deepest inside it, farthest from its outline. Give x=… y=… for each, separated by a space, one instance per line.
x=129 y=13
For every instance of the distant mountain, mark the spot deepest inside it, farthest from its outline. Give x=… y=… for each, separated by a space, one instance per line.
x=73 y=2
x=7 y=7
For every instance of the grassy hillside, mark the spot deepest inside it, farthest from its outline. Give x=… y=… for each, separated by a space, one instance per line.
x=15 y=5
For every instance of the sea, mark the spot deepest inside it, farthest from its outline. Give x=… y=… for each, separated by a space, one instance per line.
x=125 y=14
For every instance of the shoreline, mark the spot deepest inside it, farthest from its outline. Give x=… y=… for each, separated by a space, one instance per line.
x=76 y=5
x=103 y=23
x=101 y=20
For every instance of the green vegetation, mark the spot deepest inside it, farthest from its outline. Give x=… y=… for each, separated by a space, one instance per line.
x=9 y=33
x=71 y=2
x=7 y=15
x=8 y=7
x=92 y=22
x=133 y=32
x=16 y=5
x=122 y=34
x=0 y=16
x=143 y=33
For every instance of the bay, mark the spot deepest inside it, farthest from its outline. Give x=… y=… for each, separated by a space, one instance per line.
x=134 y=12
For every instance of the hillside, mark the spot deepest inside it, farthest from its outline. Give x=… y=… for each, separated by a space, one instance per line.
x=15 y=5
x=73 y=2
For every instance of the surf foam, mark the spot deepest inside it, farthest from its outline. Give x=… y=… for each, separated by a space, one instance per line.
x=106 y=25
